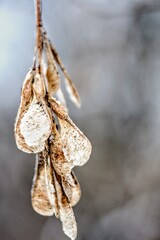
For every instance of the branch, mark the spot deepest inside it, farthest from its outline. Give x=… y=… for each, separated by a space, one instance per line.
x=38 y=30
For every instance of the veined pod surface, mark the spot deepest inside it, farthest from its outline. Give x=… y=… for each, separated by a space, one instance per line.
x=36 y=125
x=75 y=145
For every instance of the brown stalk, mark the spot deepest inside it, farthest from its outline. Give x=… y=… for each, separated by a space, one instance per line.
x=38 y=30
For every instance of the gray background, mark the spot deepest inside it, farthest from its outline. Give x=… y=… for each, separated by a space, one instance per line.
x=112 y=52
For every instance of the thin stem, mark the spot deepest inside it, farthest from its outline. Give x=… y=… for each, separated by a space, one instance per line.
x=34 y=59
x=38 y=30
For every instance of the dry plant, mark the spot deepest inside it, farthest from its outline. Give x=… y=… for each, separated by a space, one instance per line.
x=44 y=128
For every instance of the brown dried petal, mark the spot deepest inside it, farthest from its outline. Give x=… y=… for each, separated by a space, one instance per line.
x=76 y=146
x=67 y=217
x=26 y=98
x=39 y=194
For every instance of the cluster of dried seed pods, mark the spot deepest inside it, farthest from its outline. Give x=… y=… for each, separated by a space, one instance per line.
x=44 y=128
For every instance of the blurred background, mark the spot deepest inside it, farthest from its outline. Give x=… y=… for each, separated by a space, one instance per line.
x=111 y=49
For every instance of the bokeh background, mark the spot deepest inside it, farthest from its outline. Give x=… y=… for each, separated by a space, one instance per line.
x=111 y=49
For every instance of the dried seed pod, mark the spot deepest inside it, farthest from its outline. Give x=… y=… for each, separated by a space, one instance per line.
x=61 y=98
x=63 y=168
x=59 y=147
x=36 y=124
x=53 y=79
x=72 y=91
x=26 y=99
x=67 y=217
x=72 y=189
x=33 y=122
x=58 y=109
x=39 y=194
x=76 y=147
x=52 y=74
x=39 y=86
x=52 y=194
x=61 y=165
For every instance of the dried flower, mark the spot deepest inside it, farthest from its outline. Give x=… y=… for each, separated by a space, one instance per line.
x=44 y=127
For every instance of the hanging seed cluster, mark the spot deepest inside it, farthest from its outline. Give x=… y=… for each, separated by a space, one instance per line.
x=44 y=128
